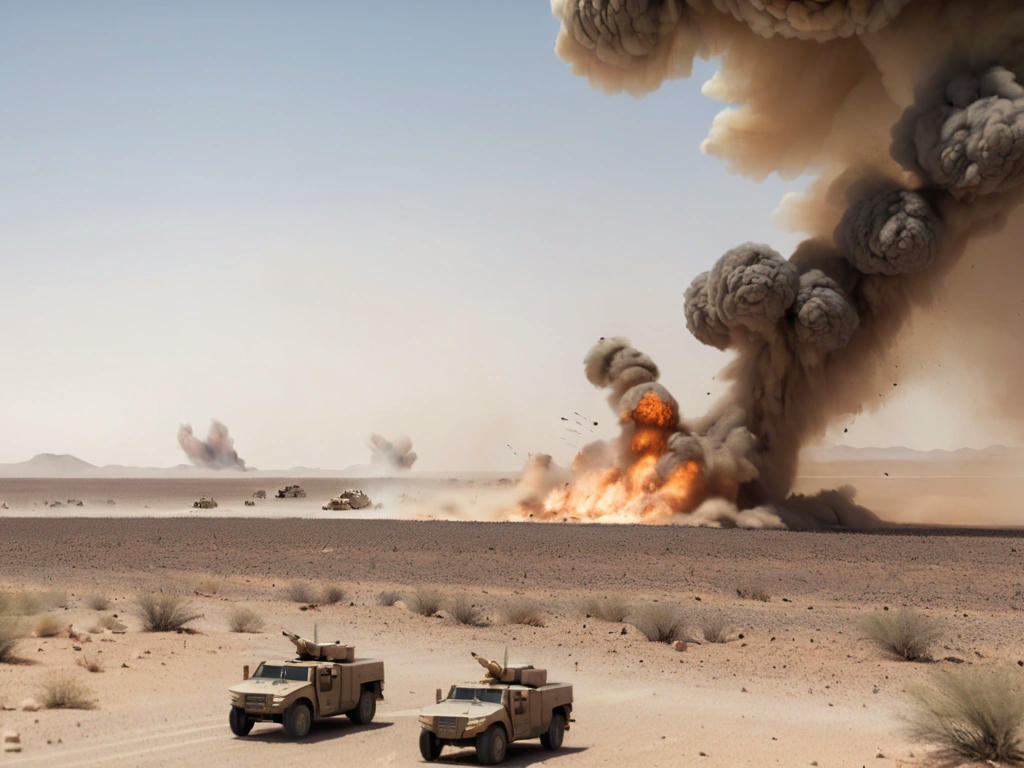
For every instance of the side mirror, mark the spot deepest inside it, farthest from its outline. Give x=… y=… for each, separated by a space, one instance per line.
x=437 y=696
x=245 y=672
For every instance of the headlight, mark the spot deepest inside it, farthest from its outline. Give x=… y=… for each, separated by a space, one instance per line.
x=277 y=700
x=427 y=720
x=475 y=722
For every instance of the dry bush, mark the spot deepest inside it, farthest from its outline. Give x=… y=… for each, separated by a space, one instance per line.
x=389 y=597
x=465 y=611
x=10 y=633
x=426 y=601
x=63 y=691
x=659 y=622
x=522 y=611
x=299 y=592
x=753 y=592
x=108 y=622
x=245 y=620
x=93 y=665
x=904 y=634
x=715 y=628
x=973 y=714
x=47 y=626
x=164 y=613
x=608 y=608
x=333 y=594
x=97 y=602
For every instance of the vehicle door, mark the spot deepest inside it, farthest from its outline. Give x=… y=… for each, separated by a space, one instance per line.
x=519 y=713
x=328 y=689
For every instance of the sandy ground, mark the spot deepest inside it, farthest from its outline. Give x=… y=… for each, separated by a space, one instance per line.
x=801 y=687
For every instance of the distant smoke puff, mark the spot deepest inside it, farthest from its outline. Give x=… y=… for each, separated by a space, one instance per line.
x=823 y=317
x=973 y=143
x=752 y=286
x=812 y=19
x=701 y=318
x=397 y=454
x=217 y=452
x=891 y=233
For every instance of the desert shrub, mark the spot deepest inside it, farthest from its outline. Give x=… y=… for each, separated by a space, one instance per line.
x=659 y=622
x=10 y=633
x=97 y=602
x=973 y=714
x=465 y=611
x=522 y=611
x=299 y=592
x=245 y=620
x=388 y=597
x=108 y=622
x=47 y=626
x=608 y=608
x=63 y=691
x=425 y=601
x=753 y=592
x=93 y=665
x=904 y=634
x=164 y=613
x=333 y=594
x=715 y=628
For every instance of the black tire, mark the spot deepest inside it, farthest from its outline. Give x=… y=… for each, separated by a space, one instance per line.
x=492 y=745
x=430 y=746
x=298 y=719
x=555 y=733
x=365 y=709
x=240 y=724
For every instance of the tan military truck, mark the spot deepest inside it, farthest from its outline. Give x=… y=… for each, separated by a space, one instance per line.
x=510 y=704
x=204 y=503
x=324 y=680
x=350 y=498
x=291 y=492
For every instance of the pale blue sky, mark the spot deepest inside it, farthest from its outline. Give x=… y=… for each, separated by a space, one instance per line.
x=317 y=220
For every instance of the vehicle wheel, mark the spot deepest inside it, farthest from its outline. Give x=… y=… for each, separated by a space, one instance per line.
x=430 y=746
x=240 y=724
x=491 y=745
x=556 y=732
x=298 y=719
x=365 y=710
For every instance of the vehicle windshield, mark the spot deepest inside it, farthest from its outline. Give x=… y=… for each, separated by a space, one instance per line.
x=282 y=672
x=491 y=695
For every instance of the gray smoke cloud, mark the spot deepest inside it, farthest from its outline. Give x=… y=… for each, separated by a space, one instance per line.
x=911 y=113
x=395 y=454
x=216 y=452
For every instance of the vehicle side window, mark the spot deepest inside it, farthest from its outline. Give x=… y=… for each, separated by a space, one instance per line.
x=325 y=679
x=519 y=700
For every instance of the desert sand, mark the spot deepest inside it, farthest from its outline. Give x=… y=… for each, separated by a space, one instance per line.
x=796 y=684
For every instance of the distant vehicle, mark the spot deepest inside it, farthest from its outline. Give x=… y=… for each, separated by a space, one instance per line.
x=204 y=503
x=324 y=680
x=291 y=492
x=259 y=494
x=510 y=704
x=350 y=498
x=250 y=503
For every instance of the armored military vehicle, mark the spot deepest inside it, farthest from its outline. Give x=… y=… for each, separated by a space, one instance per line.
x=204 y=503
x=350 y=498
x=259 y=494
x=511 y=703
x=324 y=680
x=291 y=492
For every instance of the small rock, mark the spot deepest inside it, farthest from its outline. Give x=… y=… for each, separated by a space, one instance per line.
x=679 y=645
x=29 y=705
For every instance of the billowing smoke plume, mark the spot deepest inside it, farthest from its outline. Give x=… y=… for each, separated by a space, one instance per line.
x=397 y=454
x=216 y=452
x=912 y=114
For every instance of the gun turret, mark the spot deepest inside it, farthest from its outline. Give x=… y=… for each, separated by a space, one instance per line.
x=308 y=651
x=523 y=674
x=494 y=669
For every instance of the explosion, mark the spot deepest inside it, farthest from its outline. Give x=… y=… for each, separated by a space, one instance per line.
x=911 y=112
x=395 y=454
x=216 y=452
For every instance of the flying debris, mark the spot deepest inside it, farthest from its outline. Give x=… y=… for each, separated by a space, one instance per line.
x=397 y=454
